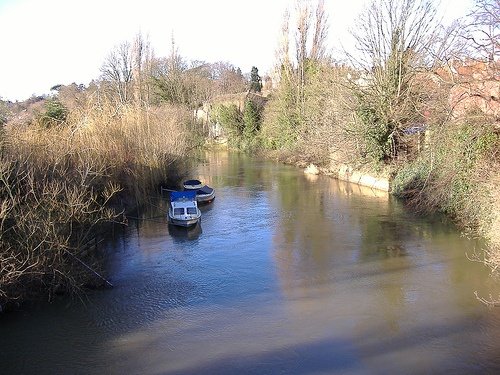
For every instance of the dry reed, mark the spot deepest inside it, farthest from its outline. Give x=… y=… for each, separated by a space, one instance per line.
x=59 y=184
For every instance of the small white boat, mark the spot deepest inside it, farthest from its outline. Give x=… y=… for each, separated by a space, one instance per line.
x=204 y=193
x=183 y=209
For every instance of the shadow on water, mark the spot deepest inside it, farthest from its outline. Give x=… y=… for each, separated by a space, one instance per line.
x=247 y=340
x=185 y=234
x=346 y=356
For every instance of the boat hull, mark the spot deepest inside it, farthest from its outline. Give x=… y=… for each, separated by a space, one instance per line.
x=205 y=198
x=204 y=193
x=183 y=222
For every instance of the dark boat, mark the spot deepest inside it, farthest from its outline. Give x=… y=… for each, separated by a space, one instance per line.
x=204 y=193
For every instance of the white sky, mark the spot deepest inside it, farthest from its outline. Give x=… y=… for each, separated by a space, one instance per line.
x=49 y=42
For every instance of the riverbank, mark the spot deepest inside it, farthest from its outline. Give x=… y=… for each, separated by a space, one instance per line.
x=347 y=173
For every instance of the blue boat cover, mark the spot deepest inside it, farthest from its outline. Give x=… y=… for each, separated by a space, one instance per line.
x=179 y=195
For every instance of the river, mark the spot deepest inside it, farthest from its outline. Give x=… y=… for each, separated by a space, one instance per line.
x=287 y=274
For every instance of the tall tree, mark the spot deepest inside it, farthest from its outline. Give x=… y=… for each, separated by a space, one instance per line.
x=142 y=54
x=393 y=38
x=309 y=52
x=318 y=48
x=117 y=71
x=301 y=39
x=295 y=64
x=227 y=78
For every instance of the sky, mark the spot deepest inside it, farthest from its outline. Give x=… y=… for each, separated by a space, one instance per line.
x=49 y=42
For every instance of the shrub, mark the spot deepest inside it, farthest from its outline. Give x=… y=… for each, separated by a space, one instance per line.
x=230 y=118
x=251 y=119
x=54 y=113
x=411 y=179
x=452 y=174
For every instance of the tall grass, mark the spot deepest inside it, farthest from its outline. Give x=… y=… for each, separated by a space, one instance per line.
x=59 y=184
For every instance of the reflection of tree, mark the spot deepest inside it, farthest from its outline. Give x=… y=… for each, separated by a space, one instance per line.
x=305 y=234
x=234 y=169
x=330 y=234
x=382 y=237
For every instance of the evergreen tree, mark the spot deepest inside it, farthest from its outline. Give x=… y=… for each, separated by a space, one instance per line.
x=251 y=119
x=255 y=80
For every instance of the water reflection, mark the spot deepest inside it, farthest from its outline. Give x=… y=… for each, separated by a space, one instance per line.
x=182 y=234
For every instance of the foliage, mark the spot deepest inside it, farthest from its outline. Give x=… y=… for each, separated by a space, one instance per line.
x=48 y=219
x=450 y=175
x=3 y=112
x=172 y=90
x=281 y=120
x=255 y=80
x=411 y=179
x=318 y=126
x=230 y=118
x=285 y=118
x=54 y=113
x=58 y=185
x=251 y=119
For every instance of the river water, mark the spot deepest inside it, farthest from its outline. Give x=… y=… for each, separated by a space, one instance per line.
x=287 y=274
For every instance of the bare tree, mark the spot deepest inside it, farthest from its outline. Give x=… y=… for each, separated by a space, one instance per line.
x=301 y=37
x=283 y=65
x=117 y=70
x=389 y=27
x=483 y=29
x=447 y=44
x=309 y=22
x=140 y=55
x=318 y=48
x=393 y=38
x=175 y=62
x=227 y=78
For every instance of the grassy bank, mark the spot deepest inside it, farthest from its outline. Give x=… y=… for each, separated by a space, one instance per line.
x=61 y=182
x=458 y=174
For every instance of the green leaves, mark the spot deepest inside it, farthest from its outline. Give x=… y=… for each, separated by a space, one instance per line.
x=55 y=113
x=251 y=119
x=255 y=80
x=230 y=118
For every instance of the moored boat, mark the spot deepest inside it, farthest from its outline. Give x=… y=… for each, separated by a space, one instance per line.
x=204 y=193
x=183 y=208
x=192 y=184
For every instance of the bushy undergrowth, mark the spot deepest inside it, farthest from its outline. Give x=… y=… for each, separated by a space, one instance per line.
x=58 y=184
x=241 y=127
x=316 y=126
x=452 y=174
